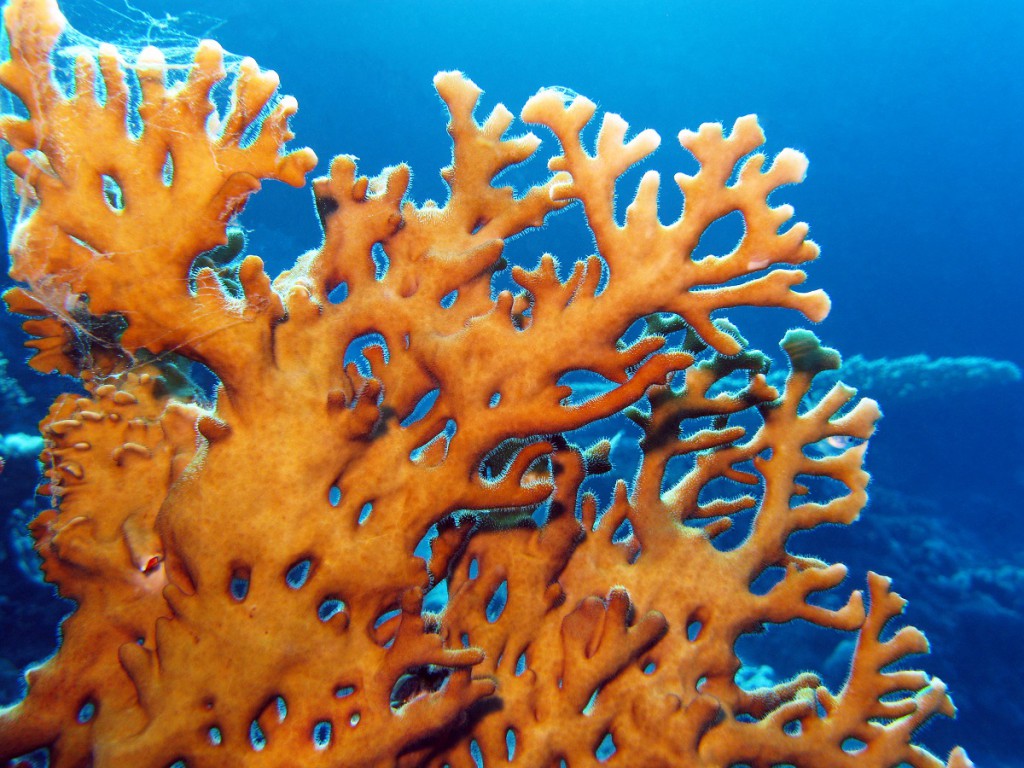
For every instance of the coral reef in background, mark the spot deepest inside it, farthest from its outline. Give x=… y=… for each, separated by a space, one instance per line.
x=245 y=574
x=920 y=377
x=13 y=399
x=968 y=594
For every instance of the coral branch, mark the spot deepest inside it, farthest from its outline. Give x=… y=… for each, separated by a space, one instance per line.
x=120 y=218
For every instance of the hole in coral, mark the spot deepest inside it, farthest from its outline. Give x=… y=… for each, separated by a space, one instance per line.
x=544 y=512
x=721 y=237
x=496 y=605
x=87 y=711
x=354 y=720
x=358 y=352
x=496 y=463
x=417 y=683
x=199 y=382
x=334 y=495
x=476 y=753
x=693 y=630
x=257 y=739
x=474 y=568
x=282 y=708
x=701 y=682
x=344 y=690
x=239 y=585
x=449 y=299
x=322 y=734
x=437 y=598
x=112 y=193
x=329 y=608
x=424 y=545
x=465 y=639
x=589 y=708
x=510 y=744
x=623 y=532
x=338 y=294
x=386 y=617
x=215 y=736
x=650 y=668
x=364 y=513
x=298 y=574
x=381 y=262
x=495 y=400
x=223 y=261
x=852 y=745
x=792 y=728
x=436 y=445
x=605 y=749
x=167 y=172
x=521 y=664
x=422 y=407
x=250 y=134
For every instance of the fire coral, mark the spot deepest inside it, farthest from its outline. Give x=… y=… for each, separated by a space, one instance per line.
x=244 y=571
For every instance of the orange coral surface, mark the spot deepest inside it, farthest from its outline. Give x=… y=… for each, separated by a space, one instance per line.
x=246 y=585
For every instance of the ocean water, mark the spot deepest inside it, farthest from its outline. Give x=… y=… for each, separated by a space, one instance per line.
x=912 y=115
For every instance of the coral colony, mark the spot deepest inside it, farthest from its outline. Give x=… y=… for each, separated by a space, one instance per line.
x=244 y=571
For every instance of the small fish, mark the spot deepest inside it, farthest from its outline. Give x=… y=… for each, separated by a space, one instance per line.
x=833 y=445
x=841 y=442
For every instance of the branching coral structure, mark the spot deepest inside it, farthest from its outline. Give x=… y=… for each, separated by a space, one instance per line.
x=245 y=574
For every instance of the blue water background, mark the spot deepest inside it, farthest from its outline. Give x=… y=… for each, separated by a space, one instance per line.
x=912 y=114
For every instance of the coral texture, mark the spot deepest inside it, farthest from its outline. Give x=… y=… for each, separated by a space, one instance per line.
x=246 y=584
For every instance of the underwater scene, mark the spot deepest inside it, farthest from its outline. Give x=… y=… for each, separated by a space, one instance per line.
x=523 y=383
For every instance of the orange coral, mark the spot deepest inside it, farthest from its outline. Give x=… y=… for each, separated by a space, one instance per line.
x=245 y=574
